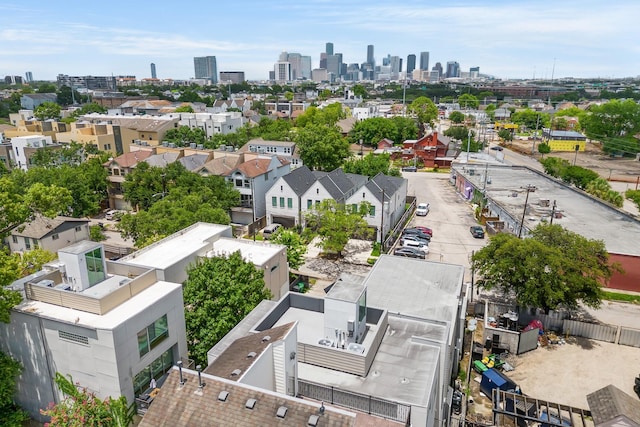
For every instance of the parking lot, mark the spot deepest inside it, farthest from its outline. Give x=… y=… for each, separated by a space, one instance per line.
x=449 y=217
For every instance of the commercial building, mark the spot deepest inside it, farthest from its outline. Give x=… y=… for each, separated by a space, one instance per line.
x=235 y=77
x=411 y=64
x=206 y=68
x=154 y=75
x=88 y=82
x=424 y=61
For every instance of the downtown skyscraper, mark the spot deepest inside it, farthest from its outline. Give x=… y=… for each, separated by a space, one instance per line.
x=206 y=68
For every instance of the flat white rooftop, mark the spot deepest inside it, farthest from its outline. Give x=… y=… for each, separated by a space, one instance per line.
x=178 y=246
x=259 y=253
x=110 y=320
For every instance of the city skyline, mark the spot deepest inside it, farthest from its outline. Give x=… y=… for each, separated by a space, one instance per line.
x=586 y=39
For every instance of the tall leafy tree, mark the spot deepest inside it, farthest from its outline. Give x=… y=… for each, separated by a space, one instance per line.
x=296 y=246
x=371 y=165
x=615 y=124
x=552 y=268
x=372 y=130
x=466 y=100
x=46 y=111
x=425 y=111
x=219 y=293
x=456 y=117
x=336 y=224
x=322 y=147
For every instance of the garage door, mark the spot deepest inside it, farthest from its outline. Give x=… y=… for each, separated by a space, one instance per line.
x=286 y=221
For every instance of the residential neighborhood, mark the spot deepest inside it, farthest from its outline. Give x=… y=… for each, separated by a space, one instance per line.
x=381 y=234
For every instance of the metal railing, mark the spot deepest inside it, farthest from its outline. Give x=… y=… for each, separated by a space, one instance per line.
x=356 y=401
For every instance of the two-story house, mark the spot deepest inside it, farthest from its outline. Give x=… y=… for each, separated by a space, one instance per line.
x=50 y=234
x=253 y=178
x=286 y=149
x=432 y=149
x=118 y=169
x=25 y=147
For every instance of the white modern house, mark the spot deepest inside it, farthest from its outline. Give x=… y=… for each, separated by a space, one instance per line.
x=112 y=326
x=212 y=123
x=286 y=149
x=51 y=234
x=299 y=192
x=24 y=146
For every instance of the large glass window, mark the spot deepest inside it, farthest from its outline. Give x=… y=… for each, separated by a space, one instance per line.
x=274 y=201
x=282 y=202
x=289 y=202
x=155 y=370
x=95 y=266
x=152 y=335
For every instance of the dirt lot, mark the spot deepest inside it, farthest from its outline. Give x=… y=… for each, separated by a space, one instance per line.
x=567 y=373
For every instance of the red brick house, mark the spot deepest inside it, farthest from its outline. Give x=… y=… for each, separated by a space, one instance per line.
x=432 y=149
x=385 y=144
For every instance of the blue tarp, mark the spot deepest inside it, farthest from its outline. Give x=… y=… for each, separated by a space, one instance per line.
x=494 y=379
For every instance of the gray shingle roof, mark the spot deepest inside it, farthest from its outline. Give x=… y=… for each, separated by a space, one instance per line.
x=42 y=226
x=338 y=184
x=194 y=162
x=390 y=184
x=300 y=179
x=610 y=402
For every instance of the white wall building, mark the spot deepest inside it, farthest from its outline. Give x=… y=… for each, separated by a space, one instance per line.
x=51 y=234
x=211 y=123
x=24 y=146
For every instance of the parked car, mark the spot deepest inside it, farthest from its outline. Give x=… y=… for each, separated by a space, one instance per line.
x=409 y=169
x=270 y=229
x=425 y=230
x=423 y=246
x=422 y=209
x=477 y=231
x=413 y=238
x=113 y=215
x=417 y=233
x=497 y=148
x=410 y=252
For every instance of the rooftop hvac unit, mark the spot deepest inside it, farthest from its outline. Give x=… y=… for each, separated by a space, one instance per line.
x=192 y=145
x=63 y=287
x=355 y=348
x=46 y=283
x=200 y=146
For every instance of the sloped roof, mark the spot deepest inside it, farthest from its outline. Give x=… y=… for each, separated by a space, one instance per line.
x=236 y=356
x=300 y=179
x=42 y=226
x=221 y=166
x=256 y=167
x=194 y=161
x=187 y=405
x=610 y=402
x=390 y=185
x=130 y=159
x=162 y=160
x=337 y=184
x=347 y=124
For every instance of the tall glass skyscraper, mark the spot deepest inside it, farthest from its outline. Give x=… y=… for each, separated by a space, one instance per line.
x=153 y=71
x=370 y=59
x=206 y=68
x=411 y=64
x=424 y=60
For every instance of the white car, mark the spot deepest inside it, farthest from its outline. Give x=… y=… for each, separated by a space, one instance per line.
x=422 y=209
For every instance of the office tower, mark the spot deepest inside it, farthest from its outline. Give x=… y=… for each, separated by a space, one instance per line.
x=153 y=71
x=282 y=71
x=411 y=64
x=370 y=59
x=386 y=60
x=235 y=77
x=323 y=60
x=206 y=68
x=437 y=70
x=29 y=76
x=474 y=72
x=305 y=62
x=400 y=68
x=424 y=60
x=329 y=49
x=394 y=63
x=334 y=65
x=453 y=69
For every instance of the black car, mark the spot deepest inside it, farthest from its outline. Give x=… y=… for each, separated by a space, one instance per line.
x=497 y=148
x=409 y=169
x=410 y=252
x=477 y=231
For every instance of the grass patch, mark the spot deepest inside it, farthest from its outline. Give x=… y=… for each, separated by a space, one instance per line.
x=376 y=249
x=371 y=261
x=462 y=375
x=615 y=296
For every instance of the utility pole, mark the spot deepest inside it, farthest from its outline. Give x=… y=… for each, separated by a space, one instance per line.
x=528 y=189
x=468 y=144
x=382 y=223
x=473 y=273
x=553 y=212
x=535 y=135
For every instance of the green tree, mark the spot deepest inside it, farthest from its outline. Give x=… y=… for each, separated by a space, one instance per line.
x=218 y=293
x=600 y=188
x=505 y=135
x=296 y=247
x=10 y=414
x=554 y=166
x=33 y=260
x=531 y=119
x=336 y=224
x=578 y=176
x=184 y=109
x=614 y=124
x=372 y=130
x=82 y=408
x=360 y=90
x=96 y=233
x=406 y=128
x=461 y=133
x=456 y=117
x=544 y=148
x=47 y=88
x=322 y=147
x=46 y=111
x=466 y=100
x=634 y=196
x=425 y=111
x=553 y=268
x=288 y=95
x=371 y=165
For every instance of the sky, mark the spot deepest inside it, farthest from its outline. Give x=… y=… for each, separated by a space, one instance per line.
x=507 y=39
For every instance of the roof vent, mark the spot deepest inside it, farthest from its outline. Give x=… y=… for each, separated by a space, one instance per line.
x=313 y=420
x=266 y=338
x=222 y=397
x=251 y=403
x=251 y=355
x=282 y=412
x=236 y=372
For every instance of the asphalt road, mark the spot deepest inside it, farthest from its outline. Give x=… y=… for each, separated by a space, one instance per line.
x=450 y=218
